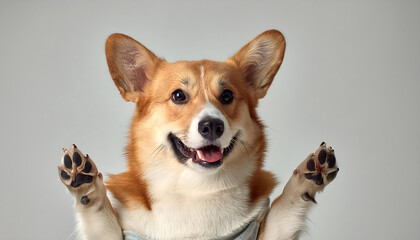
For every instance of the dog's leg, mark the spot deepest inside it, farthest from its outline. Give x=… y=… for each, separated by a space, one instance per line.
x=96 y=218
x=286 y=218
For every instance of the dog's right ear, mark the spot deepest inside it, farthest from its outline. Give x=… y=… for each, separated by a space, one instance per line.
x=130 y=64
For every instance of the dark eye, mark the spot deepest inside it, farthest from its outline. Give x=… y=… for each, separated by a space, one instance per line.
x=226 y=97
x=179 y=97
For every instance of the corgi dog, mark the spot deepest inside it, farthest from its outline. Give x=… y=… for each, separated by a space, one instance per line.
x=195 y=152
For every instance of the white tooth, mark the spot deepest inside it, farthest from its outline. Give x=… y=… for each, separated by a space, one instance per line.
x=200 y=155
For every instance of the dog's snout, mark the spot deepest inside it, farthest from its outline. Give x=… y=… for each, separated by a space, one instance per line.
x=211 y=128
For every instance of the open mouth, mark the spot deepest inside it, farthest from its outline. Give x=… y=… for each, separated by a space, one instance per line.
x=209 y=156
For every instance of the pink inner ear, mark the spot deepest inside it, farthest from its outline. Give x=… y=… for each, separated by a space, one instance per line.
x=250 y=71
x=139 y=78
x=134 y=67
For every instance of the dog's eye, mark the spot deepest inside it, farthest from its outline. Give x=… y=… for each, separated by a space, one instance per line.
x=179 y=97
x=226 y=97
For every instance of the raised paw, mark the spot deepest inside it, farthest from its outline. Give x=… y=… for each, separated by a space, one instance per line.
x=318 y=169
x=77 y=171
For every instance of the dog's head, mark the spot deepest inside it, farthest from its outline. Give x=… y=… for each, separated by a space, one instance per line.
x=198 y=115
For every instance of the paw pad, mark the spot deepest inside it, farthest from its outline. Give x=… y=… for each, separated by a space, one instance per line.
x=320 y=168
x=76 y=169
x=85 y=200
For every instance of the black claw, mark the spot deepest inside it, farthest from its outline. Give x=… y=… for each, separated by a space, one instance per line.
x=322 y=156
x=64 y=175
x=318 y=179
x=85 y=200
x=309 y=176
x=323 y=143
x=311 y=165
x=331 y=161
x=67 y=161
x=77 y=159
x=80 y=179
x=88 y=167
x=308 y=197
x=332 y=175
x=74 y=145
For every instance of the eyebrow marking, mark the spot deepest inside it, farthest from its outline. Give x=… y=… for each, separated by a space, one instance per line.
x=185 y=81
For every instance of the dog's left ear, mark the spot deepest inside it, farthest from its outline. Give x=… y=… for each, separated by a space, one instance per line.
x=260 y=59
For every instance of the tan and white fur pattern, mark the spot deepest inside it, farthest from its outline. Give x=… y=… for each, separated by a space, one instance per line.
x=188 y=115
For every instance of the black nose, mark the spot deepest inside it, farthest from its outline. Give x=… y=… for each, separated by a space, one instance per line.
x=211 y=128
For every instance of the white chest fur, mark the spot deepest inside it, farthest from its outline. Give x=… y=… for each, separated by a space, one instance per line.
x=189 y=204
x=195 y=217
x=194 y=205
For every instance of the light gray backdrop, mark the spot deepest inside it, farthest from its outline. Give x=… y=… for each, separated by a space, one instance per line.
x=350 y=77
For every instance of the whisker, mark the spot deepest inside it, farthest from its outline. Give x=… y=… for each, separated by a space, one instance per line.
x=155 y=150
x=160 y=149
x=244 y=145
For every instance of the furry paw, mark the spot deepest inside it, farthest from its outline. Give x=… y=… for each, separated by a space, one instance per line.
x=78 y=172
x=318 y=170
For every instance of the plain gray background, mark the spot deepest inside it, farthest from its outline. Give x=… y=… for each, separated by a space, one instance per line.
x=350 y=77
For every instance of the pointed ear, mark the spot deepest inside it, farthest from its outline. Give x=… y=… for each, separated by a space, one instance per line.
x=260 y=60
x=130 y=64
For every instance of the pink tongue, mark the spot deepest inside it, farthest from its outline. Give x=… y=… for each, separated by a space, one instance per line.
x=209 y=155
